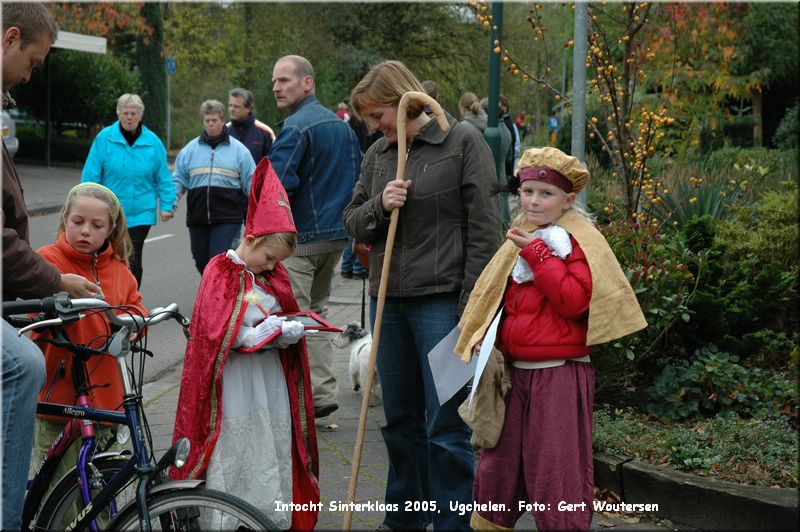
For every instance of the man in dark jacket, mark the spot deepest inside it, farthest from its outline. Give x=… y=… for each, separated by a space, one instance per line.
x=25 y=273
x=317 y=157
x=254 y=134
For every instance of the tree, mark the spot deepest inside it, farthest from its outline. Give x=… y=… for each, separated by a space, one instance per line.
x=151 y=68
x=88 y=98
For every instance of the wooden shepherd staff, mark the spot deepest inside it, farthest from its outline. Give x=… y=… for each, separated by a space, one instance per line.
x=424 y=99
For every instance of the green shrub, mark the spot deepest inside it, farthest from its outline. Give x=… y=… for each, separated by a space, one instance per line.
x=658 y=269
x=758 y=170
x=63 y=148
x=713 y=382
x=686 y=200
x=745 y=301
x=786 y=135
x=760 y=452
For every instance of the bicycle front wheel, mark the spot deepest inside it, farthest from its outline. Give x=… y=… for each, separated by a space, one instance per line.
x=64 y=503
x=195 y=509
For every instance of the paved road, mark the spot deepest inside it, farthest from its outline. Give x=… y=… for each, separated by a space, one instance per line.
x=169 y=275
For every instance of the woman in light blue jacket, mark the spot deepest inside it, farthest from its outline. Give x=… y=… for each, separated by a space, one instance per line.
x=131 y=160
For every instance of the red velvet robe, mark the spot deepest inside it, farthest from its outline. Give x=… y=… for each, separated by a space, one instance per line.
x=218 y=311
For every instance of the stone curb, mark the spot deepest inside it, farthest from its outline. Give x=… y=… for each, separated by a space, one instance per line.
x=696 y=501
x=44 y=210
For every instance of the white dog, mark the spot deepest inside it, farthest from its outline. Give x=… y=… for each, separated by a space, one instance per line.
x=360 y=342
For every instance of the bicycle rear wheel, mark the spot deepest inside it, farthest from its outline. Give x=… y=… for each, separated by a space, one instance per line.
x=195 y=509
x=64 y=503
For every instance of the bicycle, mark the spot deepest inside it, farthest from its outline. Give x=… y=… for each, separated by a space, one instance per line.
x=118 y=490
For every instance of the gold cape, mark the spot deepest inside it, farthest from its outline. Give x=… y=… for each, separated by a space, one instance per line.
x=613 y=309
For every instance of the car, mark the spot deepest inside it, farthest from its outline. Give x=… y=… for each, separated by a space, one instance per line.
x=10 y=134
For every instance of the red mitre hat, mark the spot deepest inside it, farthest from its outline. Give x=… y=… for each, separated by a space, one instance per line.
x=268 y=209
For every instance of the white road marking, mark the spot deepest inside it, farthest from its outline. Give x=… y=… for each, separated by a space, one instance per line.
x=158 y=238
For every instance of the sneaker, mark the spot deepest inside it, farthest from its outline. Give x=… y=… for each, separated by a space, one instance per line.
x=359 y=275
x=346 y=275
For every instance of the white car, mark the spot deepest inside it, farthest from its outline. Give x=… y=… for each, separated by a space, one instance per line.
x=10 y=134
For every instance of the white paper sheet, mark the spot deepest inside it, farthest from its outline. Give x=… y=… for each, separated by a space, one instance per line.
x=486 y=350
x=450 y=374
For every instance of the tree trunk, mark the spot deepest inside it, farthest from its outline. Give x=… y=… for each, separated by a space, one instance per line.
x=151 y=66
x=758 y=116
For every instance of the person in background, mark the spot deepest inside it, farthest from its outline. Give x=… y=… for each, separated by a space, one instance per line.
x=506 y=150
x=316 y=156
x=512 y=154
x=521 y=121
x=351 y=265
x=28 y=33
x=448 y=228
x=215 y=169
x=471 y=111
x=254 y=134
x=553 y=123
x=431 y=89
x=131 y=161
x=343 y=112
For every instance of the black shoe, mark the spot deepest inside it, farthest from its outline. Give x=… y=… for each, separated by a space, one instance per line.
x=325 y=410
x=346 y=275
x=359 y=275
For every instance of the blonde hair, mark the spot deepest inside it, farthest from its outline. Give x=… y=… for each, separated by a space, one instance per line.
x=286 y=239
x=384 y=85
x=119 y=238
x=470 y=102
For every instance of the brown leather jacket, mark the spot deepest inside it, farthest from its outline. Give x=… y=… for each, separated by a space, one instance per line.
x=448 y=228
x=25 y=273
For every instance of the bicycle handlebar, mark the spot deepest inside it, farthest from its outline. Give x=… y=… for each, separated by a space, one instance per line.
x=66 y=310
x=28 y=306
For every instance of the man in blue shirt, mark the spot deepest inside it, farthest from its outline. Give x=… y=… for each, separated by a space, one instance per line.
x=317 y=158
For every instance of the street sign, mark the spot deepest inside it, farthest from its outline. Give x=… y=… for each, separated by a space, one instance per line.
x=171 y=66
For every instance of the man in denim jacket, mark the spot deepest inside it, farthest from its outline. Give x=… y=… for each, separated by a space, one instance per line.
x=317 y=158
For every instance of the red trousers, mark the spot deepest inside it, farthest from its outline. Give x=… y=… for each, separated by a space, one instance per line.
x=543 y=461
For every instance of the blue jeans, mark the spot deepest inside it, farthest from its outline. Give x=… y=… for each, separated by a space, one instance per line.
x=24 y=375
x=350 y=262
x=430 y=456
x=208 y=241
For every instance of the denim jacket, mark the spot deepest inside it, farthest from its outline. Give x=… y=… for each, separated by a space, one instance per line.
x=317 y=158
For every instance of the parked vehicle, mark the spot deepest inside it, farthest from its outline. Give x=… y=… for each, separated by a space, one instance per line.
x=10 y=134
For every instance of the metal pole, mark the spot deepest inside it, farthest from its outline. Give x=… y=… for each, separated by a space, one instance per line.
x=169 y=109
x=47 y=126
x=492 y=132
x=579 y=87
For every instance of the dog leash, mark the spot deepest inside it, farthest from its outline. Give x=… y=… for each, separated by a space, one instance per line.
x=363 y=302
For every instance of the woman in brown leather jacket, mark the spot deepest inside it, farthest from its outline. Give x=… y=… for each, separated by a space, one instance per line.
x=449 y=228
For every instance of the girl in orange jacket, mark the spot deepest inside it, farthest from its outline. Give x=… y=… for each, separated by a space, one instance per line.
x=93 y=242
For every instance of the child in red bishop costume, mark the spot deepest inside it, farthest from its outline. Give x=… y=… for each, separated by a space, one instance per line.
x=250 y=416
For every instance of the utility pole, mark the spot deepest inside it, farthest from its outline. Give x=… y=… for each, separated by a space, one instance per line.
x=580 y=49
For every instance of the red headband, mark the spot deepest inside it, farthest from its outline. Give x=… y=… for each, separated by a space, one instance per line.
x=548 y=175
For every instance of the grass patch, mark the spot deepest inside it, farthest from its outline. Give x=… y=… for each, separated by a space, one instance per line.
x=759 y=452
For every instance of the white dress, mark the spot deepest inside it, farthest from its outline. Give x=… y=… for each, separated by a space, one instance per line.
x=253 y=455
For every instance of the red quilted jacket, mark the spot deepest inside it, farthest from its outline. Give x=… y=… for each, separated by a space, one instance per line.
x=547 y=318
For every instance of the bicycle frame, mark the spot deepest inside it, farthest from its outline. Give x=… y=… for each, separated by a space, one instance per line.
x=82 y=417
x=81 y=424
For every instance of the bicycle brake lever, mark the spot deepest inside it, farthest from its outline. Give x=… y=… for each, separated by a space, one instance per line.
x=184 y=321
x=40 y=324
